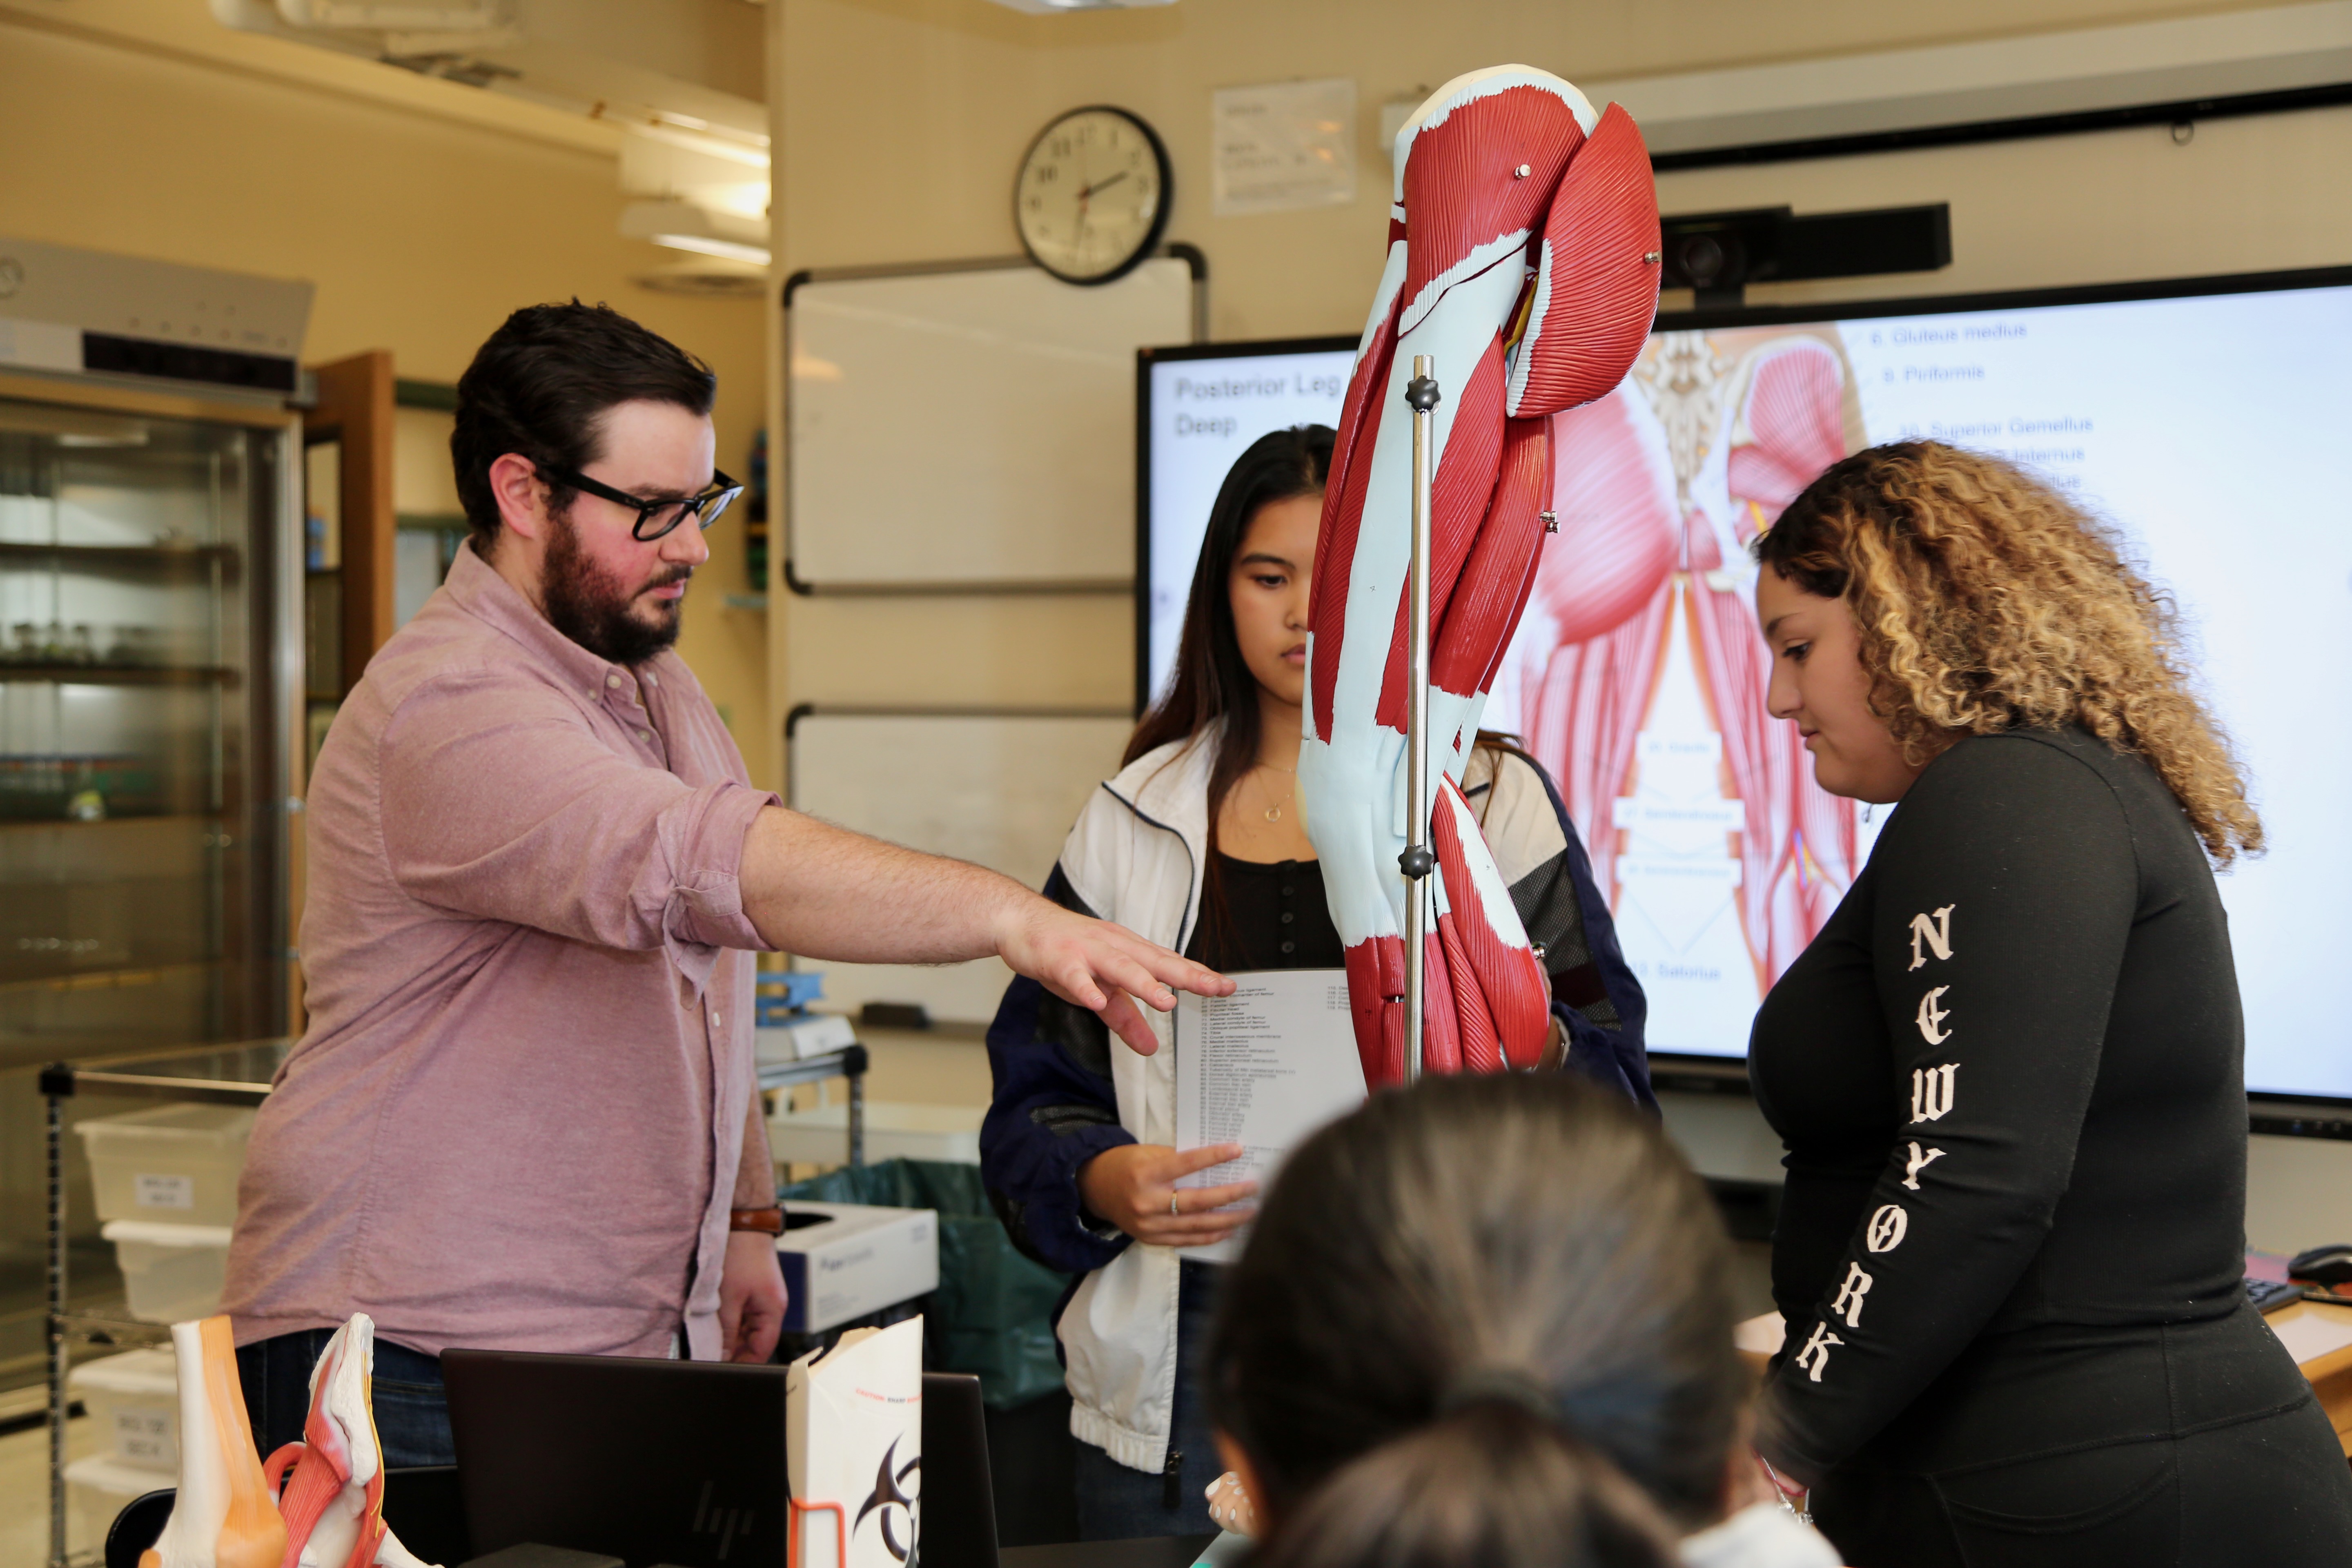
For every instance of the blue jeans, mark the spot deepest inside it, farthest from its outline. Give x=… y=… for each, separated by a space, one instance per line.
x=412 y=1416
x=1116 y=1503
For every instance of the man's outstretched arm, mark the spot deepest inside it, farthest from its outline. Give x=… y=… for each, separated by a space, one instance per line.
x=820 y=891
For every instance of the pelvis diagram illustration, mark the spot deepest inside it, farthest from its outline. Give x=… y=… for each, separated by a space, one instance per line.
x=1637 y=678
x=1523 y=257
x=229 y=1511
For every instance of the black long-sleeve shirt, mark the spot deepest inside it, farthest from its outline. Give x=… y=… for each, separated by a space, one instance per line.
x=2009 y=1076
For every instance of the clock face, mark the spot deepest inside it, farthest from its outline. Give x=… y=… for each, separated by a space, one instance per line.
x=1092 y=195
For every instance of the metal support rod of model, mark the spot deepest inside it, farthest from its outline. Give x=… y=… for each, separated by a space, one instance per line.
x=1416 y=862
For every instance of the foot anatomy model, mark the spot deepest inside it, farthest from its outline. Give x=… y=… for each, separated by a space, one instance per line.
x=223 y=1516
x=333 y=1501
x=1523 y=257
x=230 y=1513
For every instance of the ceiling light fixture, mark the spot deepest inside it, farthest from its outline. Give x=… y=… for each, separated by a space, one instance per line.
x=684 y=225
x=1060 y=7
x=702 y=246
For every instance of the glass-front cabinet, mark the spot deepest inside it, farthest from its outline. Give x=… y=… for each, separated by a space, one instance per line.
x=150 y=677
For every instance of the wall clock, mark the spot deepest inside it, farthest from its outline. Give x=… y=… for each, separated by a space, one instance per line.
x=1091 y=199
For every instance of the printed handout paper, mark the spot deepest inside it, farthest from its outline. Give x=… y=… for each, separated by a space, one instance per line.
x=1262 y=1068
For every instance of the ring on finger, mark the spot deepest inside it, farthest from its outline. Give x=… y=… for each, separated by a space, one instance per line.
x=1172 y=1201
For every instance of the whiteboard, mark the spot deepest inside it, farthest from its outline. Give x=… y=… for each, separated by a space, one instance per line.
x=970 y=428
x=998 y=788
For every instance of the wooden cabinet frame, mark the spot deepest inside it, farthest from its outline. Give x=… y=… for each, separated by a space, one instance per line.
x=355 y=405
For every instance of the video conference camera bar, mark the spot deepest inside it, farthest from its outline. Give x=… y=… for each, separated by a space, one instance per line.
x=1719 y=254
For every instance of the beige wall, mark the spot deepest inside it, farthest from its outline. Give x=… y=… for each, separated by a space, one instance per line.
x=901 y=122
x=420 y=230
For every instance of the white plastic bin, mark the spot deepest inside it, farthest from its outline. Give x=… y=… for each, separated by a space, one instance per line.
x=171 y=1273
x=177 y=1164
x=98 y=1488
x=134 y=1401
x=820 y=1135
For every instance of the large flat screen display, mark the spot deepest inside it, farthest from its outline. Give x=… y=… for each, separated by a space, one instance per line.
x=2208 y=421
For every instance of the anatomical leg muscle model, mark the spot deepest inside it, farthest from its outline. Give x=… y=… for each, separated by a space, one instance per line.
x=229 y=1512
x=333 y=1499
x=1523 y=256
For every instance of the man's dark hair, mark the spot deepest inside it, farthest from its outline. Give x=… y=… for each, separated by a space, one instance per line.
x=537 y=386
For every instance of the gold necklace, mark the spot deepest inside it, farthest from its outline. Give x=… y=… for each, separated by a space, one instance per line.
x=1274 y=812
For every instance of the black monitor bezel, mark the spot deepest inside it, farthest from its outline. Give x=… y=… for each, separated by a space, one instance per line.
x=1693 y=1070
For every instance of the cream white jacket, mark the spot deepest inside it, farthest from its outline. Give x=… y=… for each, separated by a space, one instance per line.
x=1136 y=855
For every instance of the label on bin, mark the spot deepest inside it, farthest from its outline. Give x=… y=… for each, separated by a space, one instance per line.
x=165 y=1192
x=145 y=1437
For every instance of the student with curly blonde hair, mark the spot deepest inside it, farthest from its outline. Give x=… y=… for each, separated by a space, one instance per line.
x=2008 y=1071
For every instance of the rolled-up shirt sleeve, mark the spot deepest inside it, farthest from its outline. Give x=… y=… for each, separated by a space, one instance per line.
x=515 y=810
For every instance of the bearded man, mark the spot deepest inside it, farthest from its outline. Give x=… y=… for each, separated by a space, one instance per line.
x=525 y=1113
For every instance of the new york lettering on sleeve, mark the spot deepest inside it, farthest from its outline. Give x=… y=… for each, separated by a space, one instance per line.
x=1931 y=1101
x=1987 y=929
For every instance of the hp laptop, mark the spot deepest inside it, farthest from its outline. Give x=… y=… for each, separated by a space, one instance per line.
x=673 y=1462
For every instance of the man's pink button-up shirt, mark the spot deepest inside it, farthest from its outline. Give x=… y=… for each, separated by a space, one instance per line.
x=526 y=1099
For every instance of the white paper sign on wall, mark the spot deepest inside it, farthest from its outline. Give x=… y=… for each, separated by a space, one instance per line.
x=1282 y=146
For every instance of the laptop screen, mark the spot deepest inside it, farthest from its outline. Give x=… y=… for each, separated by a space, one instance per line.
x=670 y=1462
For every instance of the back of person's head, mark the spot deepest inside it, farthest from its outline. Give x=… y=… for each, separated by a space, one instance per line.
x=1210 y=680
x=1986 y=601
x=540 y=386
x=1485 y=1320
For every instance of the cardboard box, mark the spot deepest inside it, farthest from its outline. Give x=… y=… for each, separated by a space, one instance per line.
x=844 y=1260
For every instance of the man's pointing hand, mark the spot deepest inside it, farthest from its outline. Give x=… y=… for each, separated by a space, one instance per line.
x=1100 y=966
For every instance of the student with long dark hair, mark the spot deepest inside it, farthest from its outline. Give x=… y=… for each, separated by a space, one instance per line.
x=1489 y=1321
x=1198 y=843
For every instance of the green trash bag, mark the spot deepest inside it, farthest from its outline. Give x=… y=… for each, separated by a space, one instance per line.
x=994 y=1311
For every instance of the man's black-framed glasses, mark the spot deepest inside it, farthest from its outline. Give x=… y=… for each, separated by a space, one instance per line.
x=656 y=518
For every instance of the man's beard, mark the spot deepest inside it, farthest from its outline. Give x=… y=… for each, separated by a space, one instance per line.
x=592 y=608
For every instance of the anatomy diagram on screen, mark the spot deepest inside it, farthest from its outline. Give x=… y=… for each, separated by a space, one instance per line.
x=1638 y=677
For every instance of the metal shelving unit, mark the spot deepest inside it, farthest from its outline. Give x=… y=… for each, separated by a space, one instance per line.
x=62 y=1082
x=118 y=674
x=849 y=1062
x=150 y=664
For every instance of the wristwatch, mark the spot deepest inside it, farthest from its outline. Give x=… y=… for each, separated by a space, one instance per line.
x=770 y=1221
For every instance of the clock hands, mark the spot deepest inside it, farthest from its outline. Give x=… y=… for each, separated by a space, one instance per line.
x=1086 y=194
